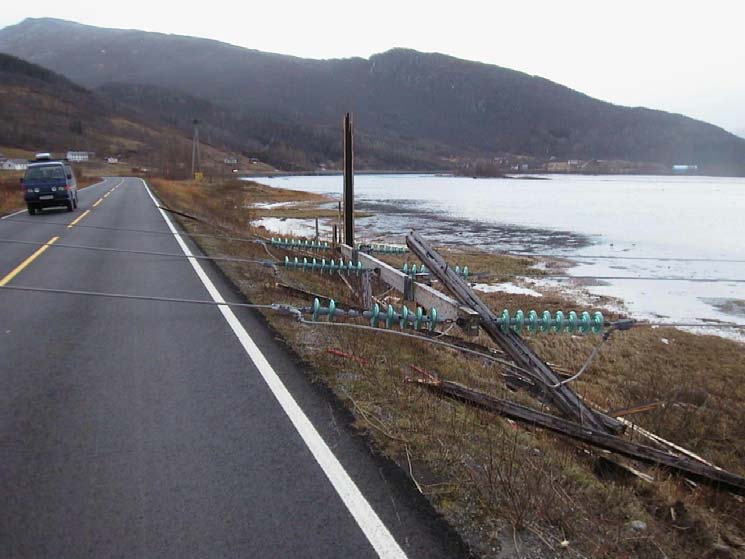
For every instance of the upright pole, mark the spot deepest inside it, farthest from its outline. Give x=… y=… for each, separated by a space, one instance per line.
x=348 y=182
x=195 y=156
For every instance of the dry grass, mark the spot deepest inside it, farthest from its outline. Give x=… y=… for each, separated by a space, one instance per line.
x=11 y=197
x=498 y=482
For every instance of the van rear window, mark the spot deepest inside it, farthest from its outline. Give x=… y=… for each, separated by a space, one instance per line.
x=45 y=172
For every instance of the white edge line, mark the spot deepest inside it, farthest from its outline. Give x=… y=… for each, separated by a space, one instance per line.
x=375 y=531
x=79 y=189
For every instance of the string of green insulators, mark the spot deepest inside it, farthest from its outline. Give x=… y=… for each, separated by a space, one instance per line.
x=414 y=270
x=382 y=249
x=583 y=323
x=299 y=244
x=322 y=265
x=389 y=318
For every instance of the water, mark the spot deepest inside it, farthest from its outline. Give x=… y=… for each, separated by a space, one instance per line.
x=627 y=216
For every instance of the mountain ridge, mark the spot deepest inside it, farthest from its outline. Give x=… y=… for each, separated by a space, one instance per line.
x=409 y=103
x=41 y=110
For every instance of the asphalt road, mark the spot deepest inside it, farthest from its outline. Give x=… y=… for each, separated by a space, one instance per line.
x=141 y=429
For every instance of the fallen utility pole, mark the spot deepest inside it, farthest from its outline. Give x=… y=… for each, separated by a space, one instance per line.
x=690 y=468
x=560 y=395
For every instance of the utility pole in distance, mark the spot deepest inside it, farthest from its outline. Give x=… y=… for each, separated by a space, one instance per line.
x=348 y=182
x=195 y=163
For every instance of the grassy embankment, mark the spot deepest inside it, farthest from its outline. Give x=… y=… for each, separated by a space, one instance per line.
x=504 y=485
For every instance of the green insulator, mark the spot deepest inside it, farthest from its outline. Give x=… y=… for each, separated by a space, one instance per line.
x=305 y=264
x=465 y=272
x=546 y=321
x=533 y=322
x=585 y=322
x=375 y=315
x=296 y=263
x=403 y=321
x=418 y=318
x=316 y=309
x=559 y=322
x=519 y=321
x=359 y=268
x=573 y=322
x=390 y=317
x=287 y=261
x=332 y=310
x=405 y=269
x=504 y=321
x=424 y=270
x=323 y=265
x=314 y=265
x=598 y=322
x=332 y=266
x=457 y=270
x=432 y=319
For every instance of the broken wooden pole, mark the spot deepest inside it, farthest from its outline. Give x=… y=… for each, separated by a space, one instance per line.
x=560 y=395
x=690 y=468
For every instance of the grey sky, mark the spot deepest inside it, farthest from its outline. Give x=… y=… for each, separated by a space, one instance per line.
x=680 y=56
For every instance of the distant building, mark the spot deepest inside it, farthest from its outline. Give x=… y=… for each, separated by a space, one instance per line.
x=685 y=168
x=112 y=160
x=231 y=160
x=14 y=165
x=563 y=166
x=79 y=156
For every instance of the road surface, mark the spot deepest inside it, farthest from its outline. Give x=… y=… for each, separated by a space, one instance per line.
x=140 y=429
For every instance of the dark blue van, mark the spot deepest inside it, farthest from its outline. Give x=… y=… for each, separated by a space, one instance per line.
x=49 y=183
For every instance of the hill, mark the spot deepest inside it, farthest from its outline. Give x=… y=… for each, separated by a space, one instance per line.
x=414 y=108
x=44 y=111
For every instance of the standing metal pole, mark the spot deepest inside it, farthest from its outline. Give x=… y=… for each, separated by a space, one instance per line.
x=348 y=182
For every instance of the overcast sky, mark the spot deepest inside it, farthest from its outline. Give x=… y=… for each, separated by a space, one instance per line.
x=679 y=56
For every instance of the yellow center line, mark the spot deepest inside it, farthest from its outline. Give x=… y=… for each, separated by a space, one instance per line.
x=26 y=262
x=97 y=202
x=81 y=216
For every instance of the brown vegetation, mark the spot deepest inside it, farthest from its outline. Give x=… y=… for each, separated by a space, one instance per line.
x=506 y=486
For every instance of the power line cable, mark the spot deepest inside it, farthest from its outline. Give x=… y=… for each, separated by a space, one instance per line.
x=634 y=278
x=614 y=257
x=263 y=262
x=257 y=238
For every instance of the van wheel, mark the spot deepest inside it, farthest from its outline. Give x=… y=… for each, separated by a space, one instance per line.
x=31 y=209
x=70 y=206
x=75 y=202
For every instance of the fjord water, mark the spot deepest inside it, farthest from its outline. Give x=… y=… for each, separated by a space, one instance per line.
x=578 y=216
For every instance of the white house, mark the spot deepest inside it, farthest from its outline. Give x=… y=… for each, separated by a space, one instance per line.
x=14 y=165
x=80 y=155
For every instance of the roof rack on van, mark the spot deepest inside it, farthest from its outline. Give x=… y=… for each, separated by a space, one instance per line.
x=47 y=158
